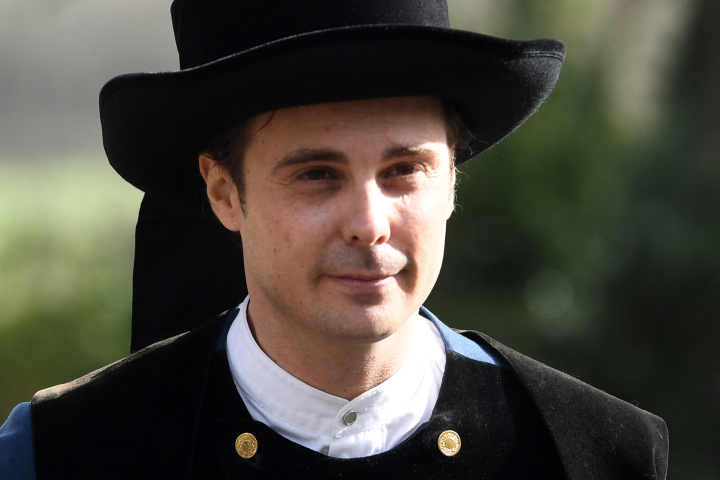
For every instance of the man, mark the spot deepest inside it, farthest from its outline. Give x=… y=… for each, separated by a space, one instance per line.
x=327 y=136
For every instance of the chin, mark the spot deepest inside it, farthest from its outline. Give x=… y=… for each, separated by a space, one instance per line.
x=365 y=323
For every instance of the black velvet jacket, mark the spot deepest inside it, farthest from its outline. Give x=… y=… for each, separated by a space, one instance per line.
x=172 y=411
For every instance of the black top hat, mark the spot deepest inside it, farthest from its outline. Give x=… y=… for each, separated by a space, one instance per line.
x=240 y=58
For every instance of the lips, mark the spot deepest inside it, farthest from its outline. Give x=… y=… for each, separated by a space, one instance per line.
x=364 y=277
x=363 y=281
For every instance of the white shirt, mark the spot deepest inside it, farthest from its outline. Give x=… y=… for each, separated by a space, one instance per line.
x=386 y=414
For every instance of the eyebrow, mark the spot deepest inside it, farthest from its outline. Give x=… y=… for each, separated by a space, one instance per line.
x=298 y=157
x=398 y=151
x=305 y=155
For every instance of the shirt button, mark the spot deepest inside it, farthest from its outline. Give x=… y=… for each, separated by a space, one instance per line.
x=349 y=418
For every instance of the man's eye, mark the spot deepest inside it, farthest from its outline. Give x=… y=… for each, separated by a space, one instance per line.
x=315 y=175
x=402 y=170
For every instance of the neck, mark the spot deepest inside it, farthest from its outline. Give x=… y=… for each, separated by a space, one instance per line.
x=339 y=367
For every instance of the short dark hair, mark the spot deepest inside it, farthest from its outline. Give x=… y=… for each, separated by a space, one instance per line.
x=229 y=146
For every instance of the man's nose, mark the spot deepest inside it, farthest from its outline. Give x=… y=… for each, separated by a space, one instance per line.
x=367 y=218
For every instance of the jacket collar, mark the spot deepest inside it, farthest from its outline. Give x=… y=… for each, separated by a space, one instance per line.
x=596 y=435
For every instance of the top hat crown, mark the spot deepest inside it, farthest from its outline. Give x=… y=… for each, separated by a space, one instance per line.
x=208 y=30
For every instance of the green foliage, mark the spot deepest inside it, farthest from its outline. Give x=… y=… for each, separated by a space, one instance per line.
x=66 y=239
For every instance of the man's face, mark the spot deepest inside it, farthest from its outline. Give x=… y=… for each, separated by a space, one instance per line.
x=343 y=225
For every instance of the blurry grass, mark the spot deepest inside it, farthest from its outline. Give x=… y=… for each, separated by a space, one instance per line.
x=66 y=249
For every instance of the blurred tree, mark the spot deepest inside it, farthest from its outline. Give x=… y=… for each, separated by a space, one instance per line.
x=66 y=244
x=665 y=304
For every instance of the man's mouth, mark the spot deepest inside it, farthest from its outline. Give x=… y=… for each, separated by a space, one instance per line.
x=362 y=269
x=363 y=280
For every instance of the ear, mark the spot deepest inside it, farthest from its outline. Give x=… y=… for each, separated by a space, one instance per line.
x=222 y=193
x=453 y=189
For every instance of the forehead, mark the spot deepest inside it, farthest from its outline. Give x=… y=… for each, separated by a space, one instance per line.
x=390 y=120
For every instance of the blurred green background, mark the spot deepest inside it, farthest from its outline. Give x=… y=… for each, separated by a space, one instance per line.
x=589 y=239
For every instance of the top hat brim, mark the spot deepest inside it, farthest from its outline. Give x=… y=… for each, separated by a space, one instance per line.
x=155 y=124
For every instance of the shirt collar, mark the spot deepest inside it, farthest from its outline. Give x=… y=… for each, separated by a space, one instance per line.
x=289 y=400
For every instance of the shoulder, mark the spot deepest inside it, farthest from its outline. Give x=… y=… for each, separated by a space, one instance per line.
x=176 y=356
x=16 y=445
x=597 y=435
x=132 y=398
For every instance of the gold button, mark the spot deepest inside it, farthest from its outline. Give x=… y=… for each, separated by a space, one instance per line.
x=246 y=445
x=449 y=443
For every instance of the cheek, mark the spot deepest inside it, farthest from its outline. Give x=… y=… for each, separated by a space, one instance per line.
x=291 y=229
x=423 y=223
